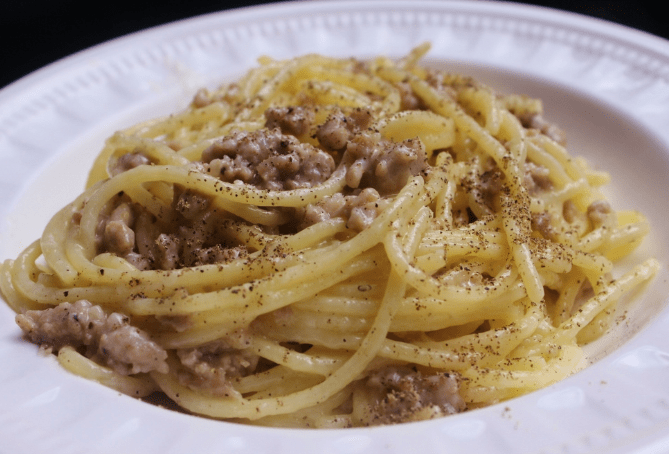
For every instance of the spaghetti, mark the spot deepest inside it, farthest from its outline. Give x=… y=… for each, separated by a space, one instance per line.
x=331 y=243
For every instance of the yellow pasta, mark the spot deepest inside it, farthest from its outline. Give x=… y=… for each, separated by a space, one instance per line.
x=331 y=243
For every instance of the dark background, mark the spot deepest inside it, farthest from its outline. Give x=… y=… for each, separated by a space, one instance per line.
x=34 y=33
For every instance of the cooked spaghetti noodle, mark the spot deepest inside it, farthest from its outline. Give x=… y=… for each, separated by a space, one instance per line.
x=331 y=243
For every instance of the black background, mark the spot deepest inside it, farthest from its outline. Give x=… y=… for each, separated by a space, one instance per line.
x=37 y=32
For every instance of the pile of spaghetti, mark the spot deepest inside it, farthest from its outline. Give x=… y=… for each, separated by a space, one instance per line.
x=331 y=243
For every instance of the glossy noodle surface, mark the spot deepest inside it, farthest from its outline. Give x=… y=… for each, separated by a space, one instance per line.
x=332 y=243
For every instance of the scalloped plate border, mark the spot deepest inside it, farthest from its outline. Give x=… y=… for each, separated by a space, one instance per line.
x=106 y=86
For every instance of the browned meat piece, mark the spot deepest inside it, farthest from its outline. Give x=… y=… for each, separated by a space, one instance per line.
x=127 y=349
x=211 y=366
x=201 y=98
x=360 y=209
x=109 y=339
x=382 y=164
x=268 y=159
x=190 y=204
x=536 y=178
x=570 y=211
x=129 y=161
x=408 y=99
x=220 y=254
x=333 y=134
x=290 y=120
x=188 y=237
x=168 y=246
x=403 y=392
x=599 y=212
x=338 y=129
x=541 y=222
x=119 y=238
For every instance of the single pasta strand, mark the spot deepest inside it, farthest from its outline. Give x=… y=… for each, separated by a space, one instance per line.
x=608 y=296
x=129 y=385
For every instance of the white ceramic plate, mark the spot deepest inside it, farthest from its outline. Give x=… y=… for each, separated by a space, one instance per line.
x=607 y=85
